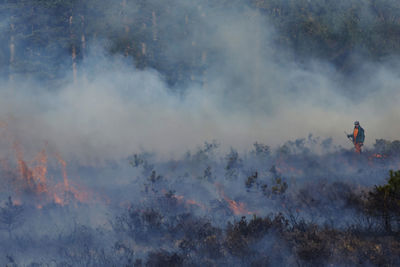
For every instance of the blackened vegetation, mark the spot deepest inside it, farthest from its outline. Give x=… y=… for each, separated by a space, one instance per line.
x=263 y=208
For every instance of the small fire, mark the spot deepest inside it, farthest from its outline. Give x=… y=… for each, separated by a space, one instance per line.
x=58 y=200
x=180 y=198
x=17 y=202
x=63 y=169
x=378 y=156
x=375 y=156
x=33 y=177
x=39 y=171
x=238 y=208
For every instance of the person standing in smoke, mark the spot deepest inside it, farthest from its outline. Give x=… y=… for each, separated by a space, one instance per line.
x=357 y=137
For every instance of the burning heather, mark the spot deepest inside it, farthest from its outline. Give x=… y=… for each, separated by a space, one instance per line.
x=177 y=133
x=261 y=207
x=32 y=182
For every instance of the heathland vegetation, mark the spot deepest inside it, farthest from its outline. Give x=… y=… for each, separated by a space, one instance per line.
x=287 y=207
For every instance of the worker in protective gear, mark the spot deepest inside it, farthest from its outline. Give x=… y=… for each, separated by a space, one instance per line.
x=357 y=137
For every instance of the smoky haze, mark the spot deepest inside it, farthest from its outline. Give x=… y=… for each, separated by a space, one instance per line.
x=203 y=142
x=251 y=90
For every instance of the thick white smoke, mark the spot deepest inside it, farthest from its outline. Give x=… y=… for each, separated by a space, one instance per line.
x=253 y=91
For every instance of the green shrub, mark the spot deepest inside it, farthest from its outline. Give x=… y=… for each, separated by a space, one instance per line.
x=384 y=202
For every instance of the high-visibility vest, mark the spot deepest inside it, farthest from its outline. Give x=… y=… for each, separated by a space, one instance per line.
x=355 y=133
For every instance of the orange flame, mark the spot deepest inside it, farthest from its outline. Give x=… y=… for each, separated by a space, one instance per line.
x=180 y=198
x=58 y=200
x=375 y=156
x=64 y=170
x=33 y=177
x=39 y=171
x=238 y=208
x=192 y=202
